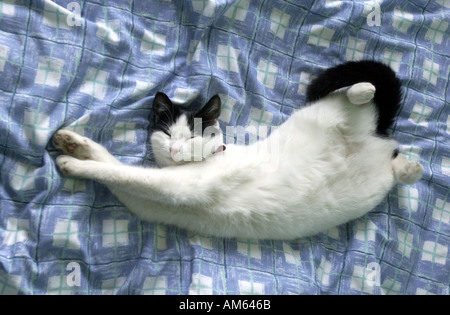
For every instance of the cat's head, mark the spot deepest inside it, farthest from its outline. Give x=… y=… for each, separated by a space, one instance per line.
x=181 y=136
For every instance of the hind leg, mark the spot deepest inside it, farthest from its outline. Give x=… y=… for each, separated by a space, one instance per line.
x=406 y=172
x=361 y=93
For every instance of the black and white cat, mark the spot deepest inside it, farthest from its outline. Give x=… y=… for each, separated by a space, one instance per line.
x=334 y=163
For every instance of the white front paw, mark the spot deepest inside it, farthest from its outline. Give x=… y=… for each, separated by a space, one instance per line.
x=361 y=93
x=73 y=144
x=68 y=165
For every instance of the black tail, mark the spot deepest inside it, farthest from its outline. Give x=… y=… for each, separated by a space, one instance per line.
x=388 y=93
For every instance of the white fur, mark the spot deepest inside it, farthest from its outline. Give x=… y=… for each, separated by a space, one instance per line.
x=321 y=168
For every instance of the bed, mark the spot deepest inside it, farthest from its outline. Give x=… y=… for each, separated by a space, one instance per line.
x=94 y=67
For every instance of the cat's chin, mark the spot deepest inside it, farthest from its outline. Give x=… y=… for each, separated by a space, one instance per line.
x=168 y=161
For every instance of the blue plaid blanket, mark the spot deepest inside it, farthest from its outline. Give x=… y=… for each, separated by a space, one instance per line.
x=94 y=67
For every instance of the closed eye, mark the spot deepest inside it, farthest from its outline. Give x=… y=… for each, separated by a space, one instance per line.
x=163 y=129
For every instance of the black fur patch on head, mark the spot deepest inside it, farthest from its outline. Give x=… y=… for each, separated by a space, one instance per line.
x=210 y=112
x=166 y=114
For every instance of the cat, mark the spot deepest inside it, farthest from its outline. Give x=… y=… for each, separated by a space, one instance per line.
x=336 y=163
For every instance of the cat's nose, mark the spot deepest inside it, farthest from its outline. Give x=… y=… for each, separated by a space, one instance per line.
x=174 y=150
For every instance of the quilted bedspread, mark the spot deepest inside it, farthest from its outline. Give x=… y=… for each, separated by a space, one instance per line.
x=94 y=67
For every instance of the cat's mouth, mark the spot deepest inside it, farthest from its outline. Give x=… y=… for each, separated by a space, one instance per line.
x=177 y=157
x=221 y=148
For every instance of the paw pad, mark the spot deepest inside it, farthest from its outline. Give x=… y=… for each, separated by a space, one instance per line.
x=71 y=143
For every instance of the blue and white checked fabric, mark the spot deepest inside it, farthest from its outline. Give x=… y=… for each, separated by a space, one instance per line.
x=94 y=67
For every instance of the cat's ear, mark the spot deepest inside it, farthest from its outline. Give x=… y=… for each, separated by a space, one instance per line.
x=162 y=107
x=211 y=111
